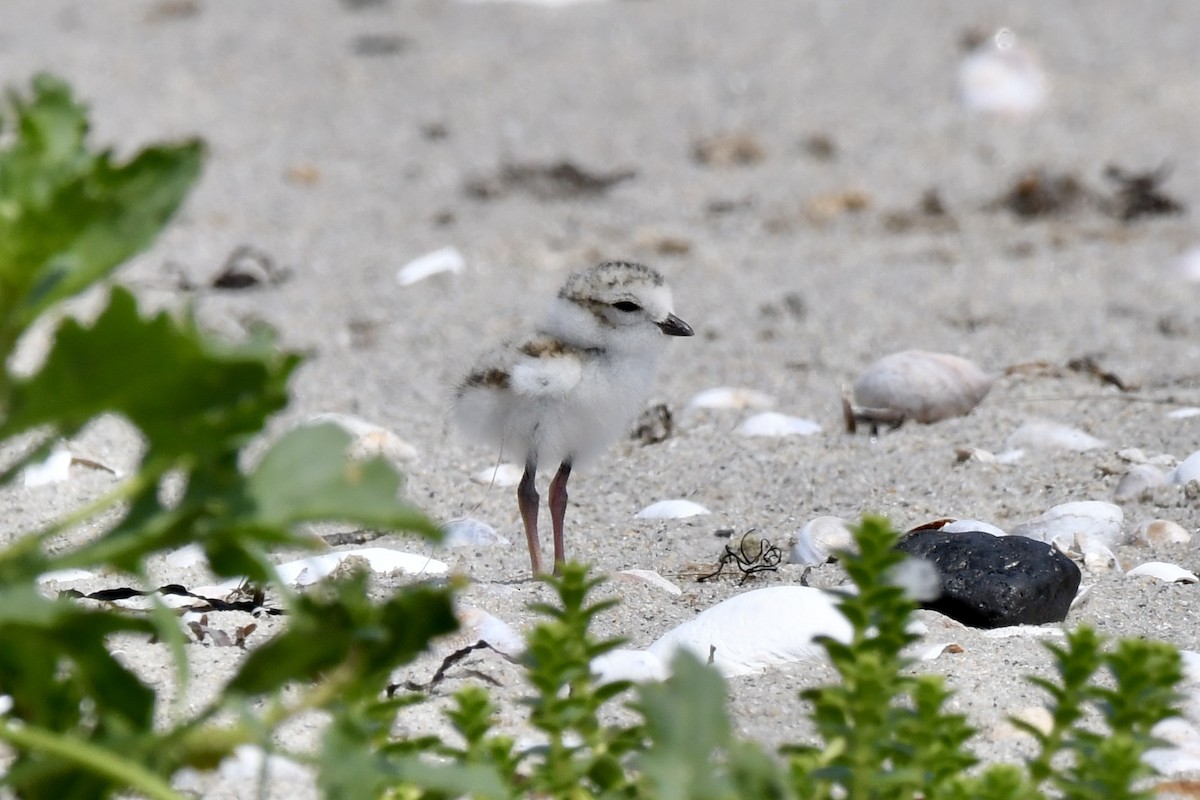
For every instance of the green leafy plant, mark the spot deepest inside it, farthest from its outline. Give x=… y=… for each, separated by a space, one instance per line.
x=882 y=732
x=80 y=722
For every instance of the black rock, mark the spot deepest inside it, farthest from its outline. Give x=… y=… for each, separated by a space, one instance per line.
x=992 y=581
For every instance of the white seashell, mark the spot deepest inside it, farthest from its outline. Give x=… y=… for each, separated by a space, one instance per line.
x=448 y=259
x=1186 y=266
x=1139 y=482
x=471 y=532
x=1190 y=661
x=730 y=397
x=476 y=625
x=1023 y=631
x=1183 y=753
x=650 y=577
x=305 y=571
x=1161 y=531
x=1051 y=436
x=672 y=509
x=1061 y=524
x=55 y=468
x=370 y=440
x=921 y=386
x=751 y=632
x=969 y=525
x=1184 y=413
x=818 y=539
x=186 y=557
x=1081 y=596
x=1097 y=557
x=1187 y=471
x=772 y=423
x=1002 y=77
x=502 y=475
x=931 y=652
x=65 y=576
x=1169 y=573
x=638 y=666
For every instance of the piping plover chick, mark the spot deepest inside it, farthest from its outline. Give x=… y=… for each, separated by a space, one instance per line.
x=564 y=392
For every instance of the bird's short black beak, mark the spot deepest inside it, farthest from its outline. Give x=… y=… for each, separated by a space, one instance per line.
x=674 y=326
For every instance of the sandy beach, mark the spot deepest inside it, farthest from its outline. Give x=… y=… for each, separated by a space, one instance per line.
x=783 y=164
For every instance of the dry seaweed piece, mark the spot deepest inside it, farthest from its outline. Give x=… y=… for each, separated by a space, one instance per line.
x=1040 y=192
x=749 y=561
x=252 y=605
x=1088 y=365
x=201 y=629
x=248 y=266
x=1138 y=193
x=560 y=180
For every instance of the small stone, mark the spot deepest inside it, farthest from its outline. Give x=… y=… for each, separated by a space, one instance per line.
x=991 y=582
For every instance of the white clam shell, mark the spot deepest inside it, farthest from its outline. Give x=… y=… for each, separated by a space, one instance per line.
x=1061 y=524
x=651 y=578
x=1139 y=482
x=1187 y=471
x=502 y=475
x=1182 y=753
x=818 y=539
x=754 y=631
x=1161 y=531
x=731 y=397
x=922 y=386
x=1042 y=435
x=1169 y=573
x=65 y=576
x=471 y=532
x=305 y=571
x=772 y=423
x=1184 y=413
x=672 y=509
x=638 y=666
x=370 y=440
x=447 y=259
x=1003 y=78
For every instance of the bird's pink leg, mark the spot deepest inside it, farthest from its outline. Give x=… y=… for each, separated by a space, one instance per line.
x=558 y=510
x=527 y=501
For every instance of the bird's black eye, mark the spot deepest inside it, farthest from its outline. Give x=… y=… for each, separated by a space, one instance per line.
x=626 y=305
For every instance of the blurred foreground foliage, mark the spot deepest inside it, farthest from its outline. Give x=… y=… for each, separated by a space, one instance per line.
x=82 y=725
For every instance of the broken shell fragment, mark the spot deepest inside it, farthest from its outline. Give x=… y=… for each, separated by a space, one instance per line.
x=1060 y=525
x=921 y=386
x=730 y=397
x=819 y=539
x=1002 y=77
x=502 y=475
x=1139 y=482
x=305 y=571
x=470 y=532
x=447 y=259
x=772 y=423
x=1041 y=435
x=1161 y=531
x=649 y=577
x=1187 y=471
x=1168 y=573
x=370 y=440
x=1097 y=557
x=672 y=509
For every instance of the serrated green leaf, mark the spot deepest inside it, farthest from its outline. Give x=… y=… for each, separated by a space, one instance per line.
x=186 y=393
x=306 y=476
x=69 y=217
